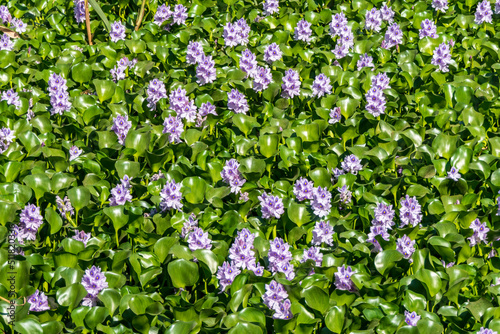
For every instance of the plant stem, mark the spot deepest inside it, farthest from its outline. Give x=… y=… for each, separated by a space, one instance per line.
x=141 y=16
x=87 y=21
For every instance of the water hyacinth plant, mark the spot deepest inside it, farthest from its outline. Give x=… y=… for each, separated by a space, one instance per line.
x=229 y=166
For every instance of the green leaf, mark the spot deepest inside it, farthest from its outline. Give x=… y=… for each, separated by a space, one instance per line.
x=430 y=279
x=335 y=318
x=316 y=298
x=198 y=188
x=298 y=214
x=129 y=168
x=208 y=257
x=79 y=197
x=71 y=296
x=386 y=260
x=183 y=273
x=110 y=298
x=82 y=73
x=55 y=221
x=117 y=216
x=105 y=89
x=40 y=183
x=101 y=14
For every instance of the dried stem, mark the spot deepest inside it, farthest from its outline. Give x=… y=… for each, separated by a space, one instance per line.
x=87 y=21
x=141 y=16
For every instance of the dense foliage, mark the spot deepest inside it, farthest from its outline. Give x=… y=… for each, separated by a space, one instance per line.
x=233 y=165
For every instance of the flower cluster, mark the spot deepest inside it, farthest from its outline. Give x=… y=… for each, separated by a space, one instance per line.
x=189 y=225
x=5 y=15
x=118 y=72
x=183 y=106
x=205 y=71
x=335 y=115
x=232 y=176
x=345 y=195
x=321 y=86
x=483 y=12
x=82 y=236
x=440 y=5
x=321 y=202
x=205 y=109
x=272 y=206
x=322 y=233
x=381 y=224
x=236 y=33
x=6 y=138
x=248 y=62
x=6 y=43
x=198 y=239
x=412 y=318
x=74 y=152
x=242 y=255
x=271 y=7
x=365 y=61
x=480 y=233
x=19 y=26
x=393 y=36
x=121 y=126
x=442 y=57
x=226 y=275
x=171 y=196
x=291 y=84
x=410 y=212
x=428 y=29
x=373 y=20
x=453 y=174
x=174 y=127
x=94 y=281
x=65 y=207
x=276 y=298
x=58 y=92
x=387 y=13
x=406 y=246
x=262 y=77
x=30 y=221
x=339 y=27
x=375 y=101
x=121 y=193
x=272 y=53
x=11 y=97
x=38 y=302
x=79 y=10
x=194 y=52
x=117 y=32
x=351 y=164
x=279 y=258
x=237 y=102
x=156 y=91
x=314 y=254
x=303 y=189
x=303 y=31
x=343 y=279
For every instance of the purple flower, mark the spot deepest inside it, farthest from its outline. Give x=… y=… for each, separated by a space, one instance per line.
x=321 y=202
x=79 y=10
x=384 y=215
x=205 y=109
x=351 y=164
x=453 y=174
x=411 y=318
x=322 y=233
x=117 y=31
x=486 y=331
x=336 y=174
x=241 y=252
x=345 y=195
x=273 y=53
x=5 y=16
x=282 y=310
x=406 y=246
x=262 y=77
x=498 y=203
x=303 y=31
x=189 y=225
x=365 y=61
x=94 y=281
x=303 y=189
x=120 y=195
x=387 y=13
x=480 y=233
x=180 y=14
x=38 y=301
x=121 y=126
x=497 y=7
x=340 y=51
x=58 y=92
x=171 y=196
x=236 y=33
x=279 y=256
x=381 y=81
x=178 y=100
x=291 y=84
x=31 y=218
x=205 y=71
x=198 y=239
x=174 y=127
x=373 y=20
x=271 y=206
x=65 y=207
x=428 y=29
x=194 y=53
x=257 y=269
x=232 y=176
x=314 y=254
x=226 y=275
x=335 y=115
x=19 y=25
x=188 y=111
x=449 y=265
x=393 y=36
x=377 y=229
x=237 y=102
x=321 y=85
x=74 y=152
x=375 y=101
x=343 y=279
x=483 y=12
x=271 y=7
x=156 y=91
x=410 y=212
x=82 y=236
x=118 y=72
x=274 y=295
x=248 y=62
x=442 y=57
x=11 y=97
x=6 y=138
x=440 y=5
x=163 y=13
x=339 y=22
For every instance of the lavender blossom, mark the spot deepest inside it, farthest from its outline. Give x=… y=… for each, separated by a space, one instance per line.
x=189 y=225
x=171 y=196
x=351 y=164
x=322 y=233
x=393 y=36
x=273 y=53
x=163 y=13
x=205 y=109
x=38 y=301
x=194 y=53
x=30 y=221
x=375 y=99
x=339 y=22
x=271 y=206
x=345 y=195
x=406 y=246
x=428 y=29
x=94 y=281
x=303 y=189
x=5 y=15
x=336 y=174
x=321 y=86
x=480 y=233
x=271 y=7
x=205 y=71
x=291 y=84
x=486 y=331
x=117 y=32
x=59 y=97
x=180 y=14
x=237 y=102
x=335 y=115
x=19 y=26
x=82 y=236
x=483 y=12
x=410 y=212
x=384 y=215
x=340 y=51
x=156 y=91
x=248 y=62
x=120 y=195
x=314 y=254
x=279 y=257
x=79 y=10
x=303 y=31
x=188 y=111
x=365 y=61
x=198 y=239
x=449 y=265
x=453 y=174
x=442 y=57
x=236 y=33
x=11 y=97
x=411 y=318
x=262 y=77
x=232 y=176
x=226 y=275
x=274 y=295
x=381 y=81
x=121 y=126
x=373 y=20
x=118 y=72
x=497 y=7
x=282 y=310
x=6 y=138
x=74 y=152
x=65 y=207
x=174 y=127
x=377 y=229
x=343 y=279
x=321 y=202
x=241 y=252
x=387 y=13
x=440 y=5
